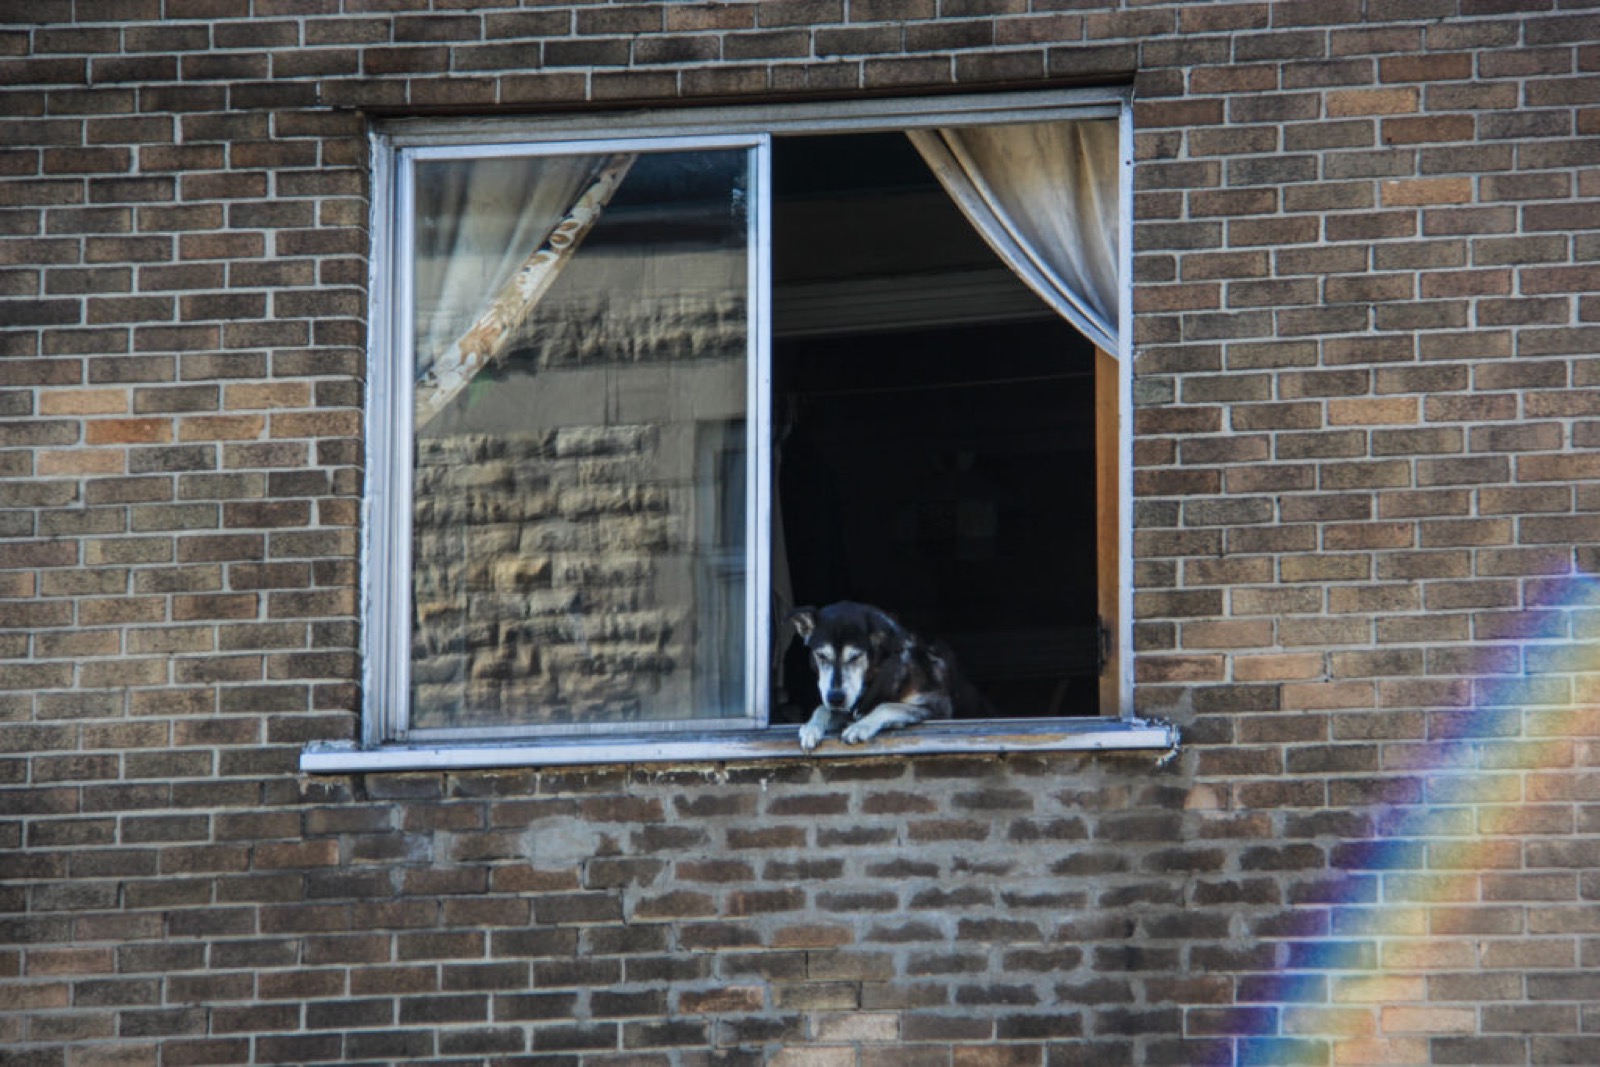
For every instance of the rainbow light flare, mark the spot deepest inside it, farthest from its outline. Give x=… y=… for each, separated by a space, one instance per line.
x=1355 y=992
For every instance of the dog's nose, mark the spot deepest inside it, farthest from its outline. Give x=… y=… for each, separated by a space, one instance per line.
x=836 y=698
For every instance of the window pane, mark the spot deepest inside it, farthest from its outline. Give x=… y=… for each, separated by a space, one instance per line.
x=579 y=489
x=899 y=335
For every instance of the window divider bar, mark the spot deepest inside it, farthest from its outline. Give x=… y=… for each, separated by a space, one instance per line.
x=758 y=425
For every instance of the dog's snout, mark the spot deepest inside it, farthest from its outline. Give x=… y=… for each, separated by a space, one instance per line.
x=836 y=698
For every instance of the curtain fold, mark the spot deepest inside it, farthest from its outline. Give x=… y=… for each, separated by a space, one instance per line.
x=1045 y=197
x=492 y=235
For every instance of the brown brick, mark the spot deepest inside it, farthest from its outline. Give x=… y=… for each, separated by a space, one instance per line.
x=1391 y=101
x=1402 y=131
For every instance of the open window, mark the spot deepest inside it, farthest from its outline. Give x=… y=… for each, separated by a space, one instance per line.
x=935 y=435
x=637 y=391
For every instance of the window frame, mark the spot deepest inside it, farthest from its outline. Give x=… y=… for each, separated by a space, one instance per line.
x=387 y=529
x=387 y=663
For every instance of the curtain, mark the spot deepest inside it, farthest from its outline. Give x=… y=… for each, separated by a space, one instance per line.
x=491 y=236
x=1045 y=197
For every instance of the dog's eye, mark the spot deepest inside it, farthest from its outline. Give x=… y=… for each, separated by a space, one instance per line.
x=855 y=655
x=823 y=657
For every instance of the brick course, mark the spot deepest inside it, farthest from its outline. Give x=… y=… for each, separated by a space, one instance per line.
x=1365 y=249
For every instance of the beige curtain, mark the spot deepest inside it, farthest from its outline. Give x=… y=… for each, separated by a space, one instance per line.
x=492 y=235
x=1045 y=196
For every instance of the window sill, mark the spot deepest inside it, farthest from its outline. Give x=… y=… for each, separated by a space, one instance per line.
x=1054 y=735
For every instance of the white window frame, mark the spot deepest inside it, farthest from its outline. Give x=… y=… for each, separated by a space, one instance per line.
x=386 y=527
x=387 y=662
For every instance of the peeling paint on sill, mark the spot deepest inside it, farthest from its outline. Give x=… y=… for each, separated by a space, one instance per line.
x=779 y=742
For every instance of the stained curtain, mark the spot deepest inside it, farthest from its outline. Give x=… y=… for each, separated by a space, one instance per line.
x=1045 y=196
x=492 y=234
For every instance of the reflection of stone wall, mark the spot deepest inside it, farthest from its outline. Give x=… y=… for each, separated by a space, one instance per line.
x=552 y=579
x=591 y=326
x=558 y=520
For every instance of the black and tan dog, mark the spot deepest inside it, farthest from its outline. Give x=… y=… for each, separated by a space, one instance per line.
x=871 y=672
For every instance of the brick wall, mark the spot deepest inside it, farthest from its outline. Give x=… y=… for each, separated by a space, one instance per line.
x=1366 y=493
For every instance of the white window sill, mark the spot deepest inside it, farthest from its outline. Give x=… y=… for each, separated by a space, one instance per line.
x=778 y=742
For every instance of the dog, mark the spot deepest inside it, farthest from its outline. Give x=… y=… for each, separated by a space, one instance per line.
x=871 y=672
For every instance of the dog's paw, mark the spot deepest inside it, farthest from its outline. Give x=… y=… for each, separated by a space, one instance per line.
x=810 y=737
x=857 y=732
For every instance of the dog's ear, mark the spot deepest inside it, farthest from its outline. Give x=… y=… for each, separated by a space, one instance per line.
x=885 y=628
x=805 y=621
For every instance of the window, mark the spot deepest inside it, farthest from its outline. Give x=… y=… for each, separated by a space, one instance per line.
x=579 y=523
x=639 y=388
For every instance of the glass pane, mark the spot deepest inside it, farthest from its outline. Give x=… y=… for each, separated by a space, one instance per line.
x=579 y=538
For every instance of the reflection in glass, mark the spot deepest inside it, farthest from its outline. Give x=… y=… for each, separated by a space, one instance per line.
x=580 y=350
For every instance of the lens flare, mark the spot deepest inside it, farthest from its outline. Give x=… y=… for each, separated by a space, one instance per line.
x=1447 y=905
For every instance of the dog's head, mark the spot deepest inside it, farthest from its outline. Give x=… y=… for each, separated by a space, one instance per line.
x=846 y=642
